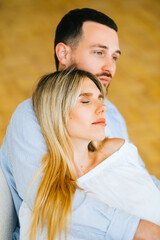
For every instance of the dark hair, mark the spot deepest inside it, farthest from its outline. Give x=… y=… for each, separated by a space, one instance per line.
x=70 y=26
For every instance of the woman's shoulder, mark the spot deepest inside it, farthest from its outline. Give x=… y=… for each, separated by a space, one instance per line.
x=108 y=147
x=113 y=144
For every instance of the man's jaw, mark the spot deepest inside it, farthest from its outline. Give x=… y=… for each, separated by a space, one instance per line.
x=105 y=78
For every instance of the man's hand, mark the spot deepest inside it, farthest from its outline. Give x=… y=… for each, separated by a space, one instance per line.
x=147 y=231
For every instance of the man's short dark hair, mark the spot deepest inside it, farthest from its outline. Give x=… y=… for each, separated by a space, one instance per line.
x=70 y=27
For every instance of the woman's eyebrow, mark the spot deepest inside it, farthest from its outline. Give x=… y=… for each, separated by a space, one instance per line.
x=88 y=94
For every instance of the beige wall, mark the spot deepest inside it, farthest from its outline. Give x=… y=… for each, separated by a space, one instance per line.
x=26 y=52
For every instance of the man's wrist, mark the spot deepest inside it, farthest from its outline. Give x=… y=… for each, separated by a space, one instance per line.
x=147 y=231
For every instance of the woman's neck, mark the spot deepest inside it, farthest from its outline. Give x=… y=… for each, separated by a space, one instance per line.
x=83 y=159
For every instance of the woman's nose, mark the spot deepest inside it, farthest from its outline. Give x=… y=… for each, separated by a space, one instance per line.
x=101 y=109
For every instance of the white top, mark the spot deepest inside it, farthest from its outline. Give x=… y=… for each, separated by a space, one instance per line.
x=122 y=183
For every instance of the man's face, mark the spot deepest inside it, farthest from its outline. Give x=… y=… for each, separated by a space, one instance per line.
x=97 y=51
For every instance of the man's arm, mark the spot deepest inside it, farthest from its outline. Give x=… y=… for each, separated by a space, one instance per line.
x=147 y=231
x=92 y=219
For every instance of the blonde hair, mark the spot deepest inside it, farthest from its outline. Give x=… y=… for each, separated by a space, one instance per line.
x=53 y=99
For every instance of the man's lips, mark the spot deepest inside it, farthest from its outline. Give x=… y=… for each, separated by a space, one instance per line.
x=105 y=80
x=105 y=77
x=100 y=121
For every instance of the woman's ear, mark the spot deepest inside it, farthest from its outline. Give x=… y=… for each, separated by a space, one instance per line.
x=63 y=53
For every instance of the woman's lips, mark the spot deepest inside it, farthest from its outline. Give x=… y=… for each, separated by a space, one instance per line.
x=100 y=122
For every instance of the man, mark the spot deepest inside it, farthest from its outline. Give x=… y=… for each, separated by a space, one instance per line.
x=88 y=39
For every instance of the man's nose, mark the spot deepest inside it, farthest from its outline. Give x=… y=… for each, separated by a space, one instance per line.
x=109 y=66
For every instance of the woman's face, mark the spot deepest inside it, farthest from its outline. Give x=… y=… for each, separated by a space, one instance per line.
x=87 y=119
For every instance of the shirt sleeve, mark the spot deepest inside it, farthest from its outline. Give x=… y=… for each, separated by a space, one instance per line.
x=92 y=219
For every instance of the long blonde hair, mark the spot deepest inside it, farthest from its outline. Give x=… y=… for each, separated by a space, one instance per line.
x=53 y=99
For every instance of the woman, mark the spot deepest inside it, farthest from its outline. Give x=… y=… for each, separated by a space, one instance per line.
x=70 y=110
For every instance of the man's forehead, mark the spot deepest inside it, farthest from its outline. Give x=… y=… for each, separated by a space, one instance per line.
x=97 y=31
x=96 y=34
x=91 y=25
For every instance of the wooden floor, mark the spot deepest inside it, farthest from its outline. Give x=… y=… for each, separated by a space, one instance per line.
x=26 y=52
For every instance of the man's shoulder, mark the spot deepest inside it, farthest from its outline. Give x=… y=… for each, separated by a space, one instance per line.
x=23 y=120
x=23 y=112
x=24 y=107
x=24 y=126
x=110 y=106
x=112 y=111
x=115 y=122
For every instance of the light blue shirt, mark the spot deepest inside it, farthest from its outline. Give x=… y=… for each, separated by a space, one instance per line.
x=20 y=156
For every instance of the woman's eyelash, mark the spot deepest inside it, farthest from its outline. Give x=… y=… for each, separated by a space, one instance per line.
x=85 y=101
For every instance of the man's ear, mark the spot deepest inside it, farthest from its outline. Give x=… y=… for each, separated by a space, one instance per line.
x=63 y=53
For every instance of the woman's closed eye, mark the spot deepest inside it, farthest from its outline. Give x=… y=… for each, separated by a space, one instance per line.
x=85 y=101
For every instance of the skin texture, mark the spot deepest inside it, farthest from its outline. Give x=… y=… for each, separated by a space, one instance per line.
x=97 y=52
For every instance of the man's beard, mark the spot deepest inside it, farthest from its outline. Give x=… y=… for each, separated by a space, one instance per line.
x=106 y=89
x=106 y=86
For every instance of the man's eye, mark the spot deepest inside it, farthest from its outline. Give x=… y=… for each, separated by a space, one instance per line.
x=99 y=53
x=114 y=58
x=102 y=99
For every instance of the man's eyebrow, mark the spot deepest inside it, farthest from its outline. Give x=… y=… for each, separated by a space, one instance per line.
x=100 y=46
x=105 y=47
x=118 y=51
